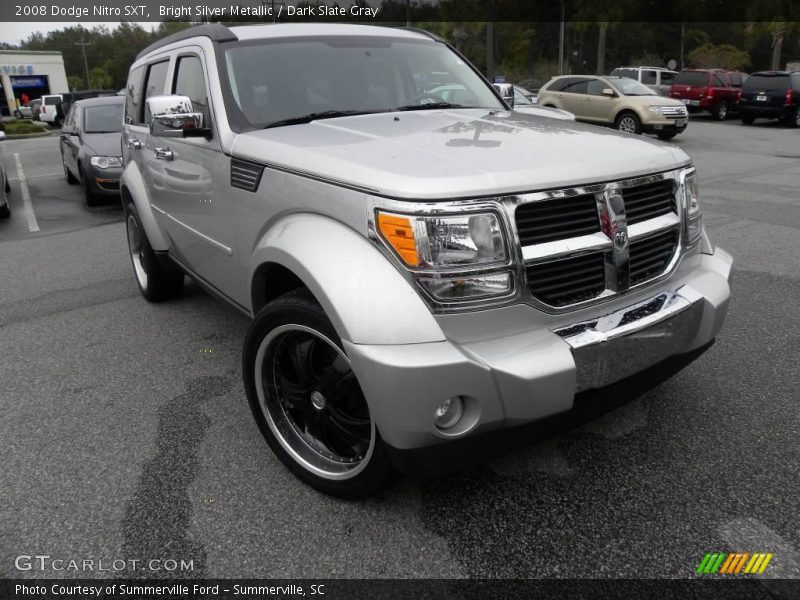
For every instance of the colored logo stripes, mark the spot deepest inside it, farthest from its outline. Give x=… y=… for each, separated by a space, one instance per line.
x=734 y=562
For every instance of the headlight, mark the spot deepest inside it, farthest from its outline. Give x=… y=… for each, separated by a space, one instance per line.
x=445 y=242
x=654 y=109
x=691 y=198
x=104 y=162
x=450 y=255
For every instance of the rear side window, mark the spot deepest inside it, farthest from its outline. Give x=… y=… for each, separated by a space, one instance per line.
x=649 y=77
x=558 y=85
x=717 y=81
x=632 y=73
x=692 y=78
x=52 y=100
x=154 y=83
x=769 y=83
x=735 y=79
x=191 y=81
x=667 y=77
x=577 y=86
x=133 y=97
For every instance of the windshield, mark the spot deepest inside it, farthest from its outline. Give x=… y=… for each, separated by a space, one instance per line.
x=106 y=118
x=630 y=87
x=272 y=81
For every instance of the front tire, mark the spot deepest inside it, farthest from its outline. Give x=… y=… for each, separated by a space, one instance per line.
x=307 y=401
x=794 y=120
x=5 y=211
x=628 y=122
x=17 y=114
x=71 y=180
x=157 y=282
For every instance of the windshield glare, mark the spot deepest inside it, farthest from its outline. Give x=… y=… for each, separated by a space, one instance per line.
x=631 y=87
x=106 y=118
x=272 y=81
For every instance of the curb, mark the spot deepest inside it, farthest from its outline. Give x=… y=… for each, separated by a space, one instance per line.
x=22 y=136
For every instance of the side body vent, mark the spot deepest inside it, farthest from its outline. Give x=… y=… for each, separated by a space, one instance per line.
x=245 y=174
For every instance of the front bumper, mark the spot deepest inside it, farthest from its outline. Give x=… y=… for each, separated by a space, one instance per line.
x=519 y=377
x=665 y=125
x=103 y=182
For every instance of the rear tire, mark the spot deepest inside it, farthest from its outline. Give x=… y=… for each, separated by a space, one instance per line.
x=8 y=187
x=157 y=282
x=17 y=114
x=628 y=122
x=794 y=120
x=748 y=119
x=307 y=401
x=5 y=211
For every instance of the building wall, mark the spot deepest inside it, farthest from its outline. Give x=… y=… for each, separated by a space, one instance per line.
x=14 y=63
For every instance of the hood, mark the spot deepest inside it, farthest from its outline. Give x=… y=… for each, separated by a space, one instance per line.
x=440 y=154
x=545 y=111
x=103 y=144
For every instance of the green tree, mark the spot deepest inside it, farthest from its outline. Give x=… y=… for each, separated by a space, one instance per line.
x=723 y=56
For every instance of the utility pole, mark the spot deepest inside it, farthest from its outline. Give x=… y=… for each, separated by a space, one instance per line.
x=561 y=41
x=83 y=45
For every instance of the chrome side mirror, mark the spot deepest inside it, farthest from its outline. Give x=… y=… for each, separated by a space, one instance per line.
x=173 y=116
x=506 y=91
x=608 y=92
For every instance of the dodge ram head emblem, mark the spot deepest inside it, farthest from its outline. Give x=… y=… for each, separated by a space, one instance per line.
x=621 y=239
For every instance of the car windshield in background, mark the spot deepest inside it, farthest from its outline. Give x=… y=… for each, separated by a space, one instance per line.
x=520 y=99
x=692 y=78
x=630 y=87
x=770 y=83
x=276 y=81
x=106 y=118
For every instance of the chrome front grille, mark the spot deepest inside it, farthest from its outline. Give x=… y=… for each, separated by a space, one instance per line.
x=674 y=112
x=582 y=244
x=651 y=255
x=648 y=201
x=540 y=222
x=568 y=280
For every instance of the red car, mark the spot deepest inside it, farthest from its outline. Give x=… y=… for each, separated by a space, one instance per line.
x=714 y=90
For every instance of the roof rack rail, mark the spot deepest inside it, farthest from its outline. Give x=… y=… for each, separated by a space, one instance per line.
x=216 y=32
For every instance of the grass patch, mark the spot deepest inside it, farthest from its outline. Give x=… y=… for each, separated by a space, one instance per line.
x=21 y=126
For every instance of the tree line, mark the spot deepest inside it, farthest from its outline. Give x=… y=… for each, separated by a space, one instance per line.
x=520 y=40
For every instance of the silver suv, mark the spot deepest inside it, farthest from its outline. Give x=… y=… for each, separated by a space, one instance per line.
x=419 y=272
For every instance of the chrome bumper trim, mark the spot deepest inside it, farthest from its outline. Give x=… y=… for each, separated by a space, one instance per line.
x=619 y=344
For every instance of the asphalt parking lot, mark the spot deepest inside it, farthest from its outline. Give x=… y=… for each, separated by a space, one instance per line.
x=126 y=433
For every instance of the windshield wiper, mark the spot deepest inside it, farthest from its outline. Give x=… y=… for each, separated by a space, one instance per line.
x=315 y=116
x=432 y=106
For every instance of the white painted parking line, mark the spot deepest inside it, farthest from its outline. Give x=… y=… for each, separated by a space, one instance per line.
x=26 y=196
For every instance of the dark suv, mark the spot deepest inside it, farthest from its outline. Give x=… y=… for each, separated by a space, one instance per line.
x=714 y=90
x=772 y=95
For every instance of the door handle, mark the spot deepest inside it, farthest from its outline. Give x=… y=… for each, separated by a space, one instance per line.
x=135 y=144
x=164 y=154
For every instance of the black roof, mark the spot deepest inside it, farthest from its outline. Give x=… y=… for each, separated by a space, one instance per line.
x=216 y=32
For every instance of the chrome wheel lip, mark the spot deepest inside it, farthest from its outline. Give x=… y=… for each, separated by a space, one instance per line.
x=135 y=248
x=285 y=433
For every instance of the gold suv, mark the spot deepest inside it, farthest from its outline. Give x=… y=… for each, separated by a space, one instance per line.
x=621 y=102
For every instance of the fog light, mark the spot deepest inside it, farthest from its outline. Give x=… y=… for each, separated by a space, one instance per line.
x=448 y=413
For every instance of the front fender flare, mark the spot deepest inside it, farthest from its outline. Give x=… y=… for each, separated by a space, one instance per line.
x=365 y=297
x=133 y=182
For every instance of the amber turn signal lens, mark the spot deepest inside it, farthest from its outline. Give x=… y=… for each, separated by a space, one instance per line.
x=398 y=232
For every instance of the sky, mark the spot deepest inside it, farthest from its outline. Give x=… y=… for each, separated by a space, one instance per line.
x=14 y=33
